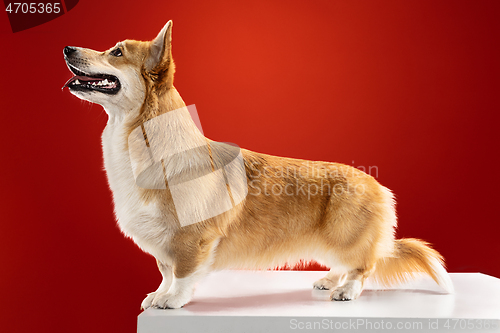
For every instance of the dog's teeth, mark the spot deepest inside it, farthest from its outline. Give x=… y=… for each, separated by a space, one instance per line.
x=105 y=82
x=77 y=82
x=99 y=83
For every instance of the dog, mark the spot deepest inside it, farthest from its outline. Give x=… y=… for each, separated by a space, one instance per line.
x=347 y=223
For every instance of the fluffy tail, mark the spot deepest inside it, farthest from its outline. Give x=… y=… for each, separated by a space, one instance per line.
x=412 y=256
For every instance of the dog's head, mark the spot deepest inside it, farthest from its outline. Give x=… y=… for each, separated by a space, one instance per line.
x=120 y=78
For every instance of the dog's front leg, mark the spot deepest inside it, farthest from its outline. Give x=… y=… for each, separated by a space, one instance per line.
x=192 y=261
x=166 y=273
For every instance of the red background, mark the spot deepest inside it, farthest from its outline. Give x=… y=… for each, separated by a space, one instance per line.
x=410 y=87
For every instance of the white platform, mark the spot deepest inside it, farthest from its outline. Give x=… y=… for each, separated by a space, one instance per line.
x=284 y=301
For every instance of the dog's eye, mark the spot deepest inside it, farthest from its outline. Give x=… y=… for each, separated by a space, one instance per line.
x=116 y=52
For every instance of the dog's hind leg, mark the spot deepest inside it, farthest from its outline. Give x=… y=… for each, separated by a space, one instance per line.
x=353 y=285
x=166 y=273
x=331 y=281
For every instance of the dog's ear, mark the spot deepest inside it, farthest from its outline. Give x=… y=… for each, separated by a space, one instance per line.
x=160 y=49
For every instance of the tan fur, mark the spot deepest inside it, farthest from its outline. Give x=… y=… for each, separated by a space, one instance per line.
x=347 y=223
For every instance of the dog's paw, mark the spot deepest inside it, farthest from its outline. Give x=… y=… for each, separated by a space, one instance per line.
x=324 y=284
x=146 y=303
x=347 y=292
x=170 y=301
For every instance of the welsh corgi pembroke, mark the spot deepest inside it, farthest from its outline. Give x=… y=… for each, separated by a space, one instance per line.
x=197 y=205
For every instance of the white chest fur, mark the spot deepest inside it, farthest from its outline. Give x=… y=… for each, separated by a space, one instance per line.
x=142 y=222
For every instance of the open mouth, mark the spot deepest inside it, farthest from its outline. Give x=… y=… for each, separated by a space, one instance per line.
x=105 y=83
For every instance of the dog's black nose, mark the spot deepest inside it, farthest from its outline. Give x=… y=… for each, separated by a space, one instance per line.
x=68 y=50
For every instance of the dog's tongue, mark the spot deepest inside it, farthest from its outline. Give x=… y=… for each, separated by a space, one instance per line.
x=80 y=78
x=69 y=81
